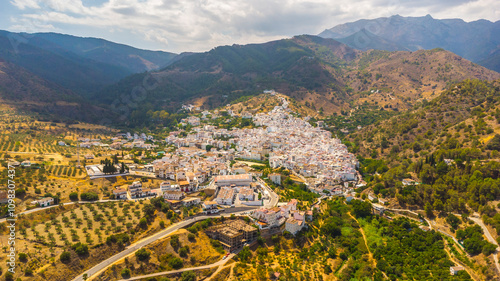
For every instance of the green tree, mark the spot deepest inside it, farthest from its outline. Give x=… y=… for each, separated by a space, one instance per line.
x=23 y=257
x=125 y=272
x=142 y=254
x=65 y=257
x=428 y=210
x=73 y=196
x=361 y=209
x=453 y=220
x=80 y=248
x=143 y=223
x=176 y=263
x=188 y=276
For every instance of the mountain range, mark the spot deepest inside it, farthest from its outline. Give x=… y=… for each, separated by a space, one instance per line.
x=83 y=65
x=396 y=67
x=477 y=41
x=323 y=73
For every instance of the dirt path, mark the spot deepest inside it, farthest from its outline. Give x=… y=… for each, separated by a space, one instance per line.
x=372 y=260
x=219 y=269
x=374 y=263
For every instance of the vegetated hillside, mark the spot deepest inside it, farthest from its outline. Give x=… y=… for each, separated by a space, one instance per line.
x=467 y=115
x=67 y=69
x=449 y=147
x=474 y=41
x=83 y=65
x=27 y=92
x=100 y=50
x=400 y=79
x=229 y=72
x=323 y=74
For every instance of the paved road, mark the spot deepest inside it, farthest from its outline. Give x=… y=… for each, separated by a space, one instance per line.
x=136 y=246
x=274 y=197
x=220 y=262
x=475 y=218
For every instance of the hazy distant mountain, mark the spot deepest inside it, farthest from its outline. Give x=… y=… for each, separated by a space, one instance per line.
x=83 y=65
x=365 y=40
x=475 y=41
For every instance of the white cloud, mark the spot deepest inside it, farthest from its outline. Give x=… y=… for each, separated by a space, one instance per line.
x=23 y=4
x=200 y=25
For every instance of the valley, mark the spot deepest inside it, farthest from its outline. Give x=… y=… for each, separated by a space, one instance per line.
x=303 y=158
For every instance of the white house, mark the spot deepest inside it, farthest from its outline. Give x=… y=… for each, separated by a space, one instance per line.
x=135 y=189
x=166 y=186
x=269 y=216
x=246 y=194
x=120 y=193
x=191 y=201
x=238 y=180
x=209 y=205
x=225 y=196
x=455 y=269
x=173 y=195
x=275 y=178
x=45 y=202
x=293 y=226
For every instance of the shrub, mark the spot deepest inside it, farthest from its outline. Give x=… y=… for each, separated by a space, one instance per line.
x=174 y=241
x=23 y=257
x=65 y=257
x=143 y=223
x=80 y=248
x=9 y=276
x=125 y=273
x=176 y=263
x=188 y=276
x=183 y=252
x=89 y=196
x=20 y=192
x=73 y=196
x=142 y=254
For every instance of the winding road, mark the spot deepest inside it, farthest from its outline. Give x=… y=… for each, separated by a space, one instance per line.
x=146 y=241
x=475 y=218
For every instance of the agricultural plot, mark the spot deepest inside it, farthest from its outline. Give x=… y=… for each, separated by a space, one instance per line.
x=89 y=223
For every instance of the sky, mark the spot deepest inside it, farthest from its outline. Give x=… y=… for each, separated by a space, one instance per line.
x=200 y=25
